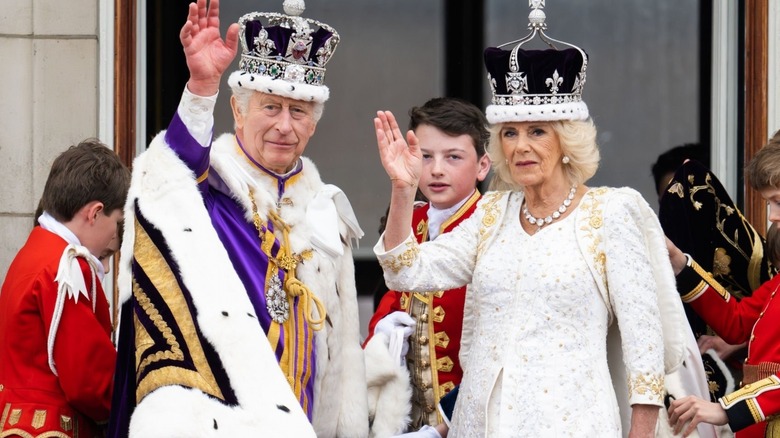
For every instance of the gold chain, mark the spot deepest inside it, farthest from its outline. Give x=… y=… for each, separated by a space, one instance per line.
x=288 y=262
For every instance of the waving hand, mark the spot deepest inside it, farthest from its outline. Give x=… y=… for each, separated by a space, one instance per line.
x=402 y=161
x=208 y=56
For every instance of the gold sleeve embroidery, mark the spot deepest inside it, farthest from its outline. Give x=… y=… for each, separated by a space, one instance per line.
x=403 y=260
x=648 y=385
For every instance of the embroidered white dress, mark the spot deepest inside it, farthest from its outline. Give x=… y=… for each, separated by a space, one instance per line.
x=538 y=359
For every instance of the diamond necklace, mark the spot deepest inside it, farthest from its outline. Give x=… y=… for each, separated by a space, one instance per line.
x=539 y=222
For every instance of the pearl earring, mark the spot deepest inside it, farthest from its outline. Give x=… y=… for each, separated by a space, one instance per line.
x=566 y=159
x=506 y=160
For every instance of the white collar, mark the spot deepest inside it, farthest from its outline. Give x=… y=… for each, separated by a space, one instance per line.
x=436 y=217
x=49 y=223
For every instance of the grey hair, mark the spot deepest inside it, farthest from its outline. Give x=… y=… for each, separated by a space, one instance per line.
x=243 y=95
x=577 y=139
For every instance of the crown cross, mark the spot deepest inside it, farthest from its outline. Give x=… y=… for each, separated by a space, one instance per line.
x=517 y=83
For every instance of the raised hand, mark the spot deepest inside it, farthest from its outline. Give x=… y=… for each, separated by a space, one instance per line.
x=402 y=161
x=208 y=56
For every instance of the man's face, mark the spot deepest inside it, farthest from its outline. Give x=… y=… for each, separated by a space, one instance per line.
x=275 y=130
x=451 y=167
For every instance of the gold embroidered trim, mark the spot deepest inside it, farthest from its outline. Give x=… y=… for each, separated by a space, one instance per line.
x=695 y=292
x=16 y=414
x=772 y=427
x=422 y=228
x=445 y=388
x=66 y=423
x=445 y=364
x=461 y=211
x=750 y=391
x=403 y=260
x=647 y=384
x=755 y=410
x=439 y=314
x=149 y=258
x=39 y=419
x=592 y=206
x=711 y=281
x=490 y=215
x=441 y=339
x=5 y=415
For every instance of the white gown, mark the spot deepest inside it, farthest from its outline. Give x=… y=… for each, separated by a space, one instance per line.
x=538 y=359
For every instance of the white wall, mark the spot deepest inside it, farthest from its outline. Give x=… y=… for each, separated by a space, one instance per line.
x=48 y=101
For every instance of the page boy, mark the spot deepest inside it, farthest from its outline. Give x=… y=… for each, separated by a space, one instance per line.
x=56 y=356
x=452 y=135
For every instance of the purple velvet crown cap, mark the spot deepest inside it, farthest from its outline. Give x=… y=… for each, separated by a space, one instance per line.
x=536 y=85
x=284 y=55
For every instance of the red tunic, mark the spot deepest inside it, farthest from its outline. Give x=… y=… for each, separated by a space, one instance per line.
x=752 y=409
x=32 y=399
x=435 y=344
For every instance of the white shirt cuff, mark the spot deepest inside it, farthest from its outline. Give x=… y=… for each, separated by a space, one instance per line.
x=197 y=114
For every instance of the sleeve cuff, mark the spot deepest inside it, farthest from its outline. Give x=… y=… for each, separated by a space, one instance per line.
x=742 y=414
x=646 y=389
x=197 y=113
x=398 y=258
x=693 y=281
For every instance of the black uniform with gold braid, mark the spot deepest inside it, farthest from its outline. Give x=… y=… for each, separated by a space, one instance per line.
x=698 y=215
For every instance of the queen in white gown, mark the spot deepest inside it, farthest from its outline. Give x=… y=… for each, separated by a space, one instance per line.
x=551 y=264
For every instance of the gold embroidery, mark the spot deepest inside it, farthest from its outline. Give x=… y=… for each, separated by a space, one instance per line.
x=695 y=292
x=16 y=414
x=421 y=227
x=721 y=262
x=5 y=415
x=751 y=390
x=404 y=300
x=160 y=275
x=403 y=260
x=441 y=339
x=461 y=211
x=711 y=281
x=676 y=189
x=39 y=419
x=489 y=218
x=445 y=388
x=592 y=206
x=647 y=384
x=438 y=314
x=772 y=427
x=755 y=410
x=445 y=364
x=66 y=423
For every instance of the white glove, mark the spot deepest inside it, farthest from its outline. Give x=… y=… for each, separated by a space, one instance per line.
x=425 y=432
x=397 y=326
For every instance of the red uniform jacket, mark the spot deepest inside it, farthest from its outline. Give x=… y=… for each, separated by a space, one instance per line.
x=756 y=320
x=433 y=361
x=33 y=400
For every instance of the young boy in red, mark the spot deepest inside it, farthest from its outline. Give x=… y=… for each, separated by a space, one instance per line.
x=56 y=356
x=426 y=328
x=752 y=410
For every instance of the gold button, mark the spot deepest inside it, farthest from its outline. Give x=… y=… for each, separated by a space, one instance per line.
x=425 y=364
x=424 y=317
x=1 y=387
x=423 y=340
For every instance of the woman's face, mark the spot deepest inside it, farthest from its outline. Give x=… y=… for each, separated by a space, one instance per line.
x=532 y=151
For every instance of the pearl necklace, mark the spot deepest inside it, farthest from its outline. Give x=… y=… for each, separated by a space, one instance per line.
x=539 y=222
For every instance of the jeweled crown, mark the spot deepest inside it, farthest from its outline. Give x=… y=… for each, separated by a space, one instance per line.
x=285 y=53
x=536 y=85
